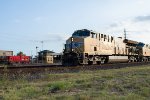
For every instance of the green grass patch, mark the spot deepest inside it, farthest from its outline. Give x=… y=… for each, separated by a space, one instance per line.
x=58 y=86
x=131 y=83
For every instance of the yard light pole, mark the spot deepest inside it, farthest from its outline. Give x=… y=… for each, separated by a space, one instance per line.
x=37 y=54
x=42 y=51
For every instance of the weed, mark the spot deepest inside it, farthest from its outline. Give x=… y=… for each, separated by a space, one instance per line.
x=56 y=86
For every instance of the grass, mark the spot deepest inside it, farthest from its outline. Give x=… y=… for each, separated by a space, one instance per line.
x=131 y=83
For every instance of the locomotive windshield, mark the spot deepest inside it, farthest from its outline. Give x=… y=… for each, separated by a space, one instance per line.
x=84 y=33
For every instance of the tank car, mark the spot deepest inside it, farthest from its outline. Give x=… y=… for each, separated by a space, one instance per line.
x=89 y=47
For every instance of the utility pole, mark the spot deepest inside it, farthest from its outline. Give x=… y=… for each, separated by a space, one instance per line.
x=42 y=45
x=42 y=50
x=36 y=54
x=125 y=34
x=31 y=57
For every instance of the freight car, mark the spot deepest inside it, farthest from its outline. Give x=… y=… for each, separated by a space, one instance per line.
x=21 y=59
x=89 y=47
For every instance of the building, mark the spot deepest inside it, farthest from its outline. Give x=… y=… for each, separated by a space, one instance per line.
x=6 y=53
x=49 y=57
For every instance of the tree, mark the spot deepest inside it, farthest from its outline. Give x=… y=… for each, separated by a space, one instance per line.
x=20 y=53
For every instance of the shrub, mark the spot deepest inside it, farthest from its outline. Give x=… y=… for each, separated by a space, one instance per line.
x=56 y=86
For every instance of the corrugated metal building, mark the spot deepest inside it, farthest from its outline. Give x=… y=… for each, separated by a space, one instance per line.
x=6 y=53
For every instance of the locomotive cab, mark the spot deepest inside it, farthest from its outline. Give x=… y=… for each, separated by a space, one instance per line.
x=90 y=47
x=81 y=33
x=74 y=48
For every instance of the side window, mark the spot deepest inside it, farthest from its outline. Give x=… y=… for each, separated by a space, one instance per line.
x=95 y=48
x=112 y=38
x=92 y=35
x=108 y=38
x=146 y=46
x=102 y=36
x=99 y=37
x=105 y=37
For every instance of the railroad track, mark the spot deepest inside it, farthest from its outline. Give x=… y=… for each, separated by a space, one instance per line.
x=59 y=68
x=36 y=72
x=29 y=66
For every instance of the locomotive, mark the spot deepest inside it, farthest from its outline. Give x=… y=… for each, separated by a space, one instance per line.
x=89 y=47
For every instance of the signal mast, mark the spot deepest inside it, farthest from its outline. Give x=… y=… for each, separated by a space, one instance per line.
x=125 y=34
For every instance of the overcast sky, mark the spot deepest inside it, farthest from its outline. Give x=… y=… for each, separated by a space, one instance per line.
x=24 y=23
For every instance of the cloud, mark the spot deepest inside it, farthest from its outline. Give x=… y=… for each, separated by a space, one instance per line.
x=141 y=2
x=137 y=28
x=114 y=25
x=58 y=36
x=143 y=18
x=51 y=41
x=52 y=37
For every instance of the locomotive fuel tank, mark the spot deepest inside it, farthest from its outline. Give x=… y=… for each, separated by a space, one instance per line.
x=118 y=59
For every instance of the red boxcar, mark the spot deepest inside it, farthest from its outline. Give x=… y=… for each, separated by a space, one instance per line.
x=18 y=59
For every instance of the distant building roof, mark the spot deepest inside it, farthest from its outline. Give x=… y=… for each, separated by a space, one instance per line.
x=54 y=54
x=46 y=51
x=6 y=53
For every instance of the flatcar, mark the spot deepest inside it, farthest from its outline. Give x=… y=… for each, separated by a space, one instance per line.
x=89 y=47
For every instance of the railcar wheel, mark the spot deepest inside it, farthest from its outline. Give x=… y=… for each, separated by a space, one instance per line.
x=106 y=60
x=90 y=62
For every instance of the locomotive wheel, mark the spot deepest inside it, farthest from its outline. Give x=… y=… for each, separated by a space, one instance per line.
x=70 y=59
x=98 y=62
x=90 y=62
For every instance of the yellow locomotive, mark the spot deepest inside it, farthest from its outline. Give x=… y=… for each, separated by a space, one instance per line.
x=89 y=47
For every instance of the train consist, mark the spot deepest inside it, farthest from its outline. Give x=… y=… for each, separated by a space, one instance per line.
x=89 y=47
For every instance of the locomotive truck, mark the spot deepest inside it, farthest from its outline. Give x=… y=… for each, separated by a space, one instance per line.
x=89 y=47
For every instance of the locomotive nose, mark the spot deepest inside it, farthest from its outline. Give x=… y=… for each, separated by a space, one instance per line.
x=70 y=59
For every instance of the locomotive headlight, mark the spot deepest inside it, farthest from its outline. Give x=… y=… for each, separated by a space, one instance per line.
x=71 y=38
